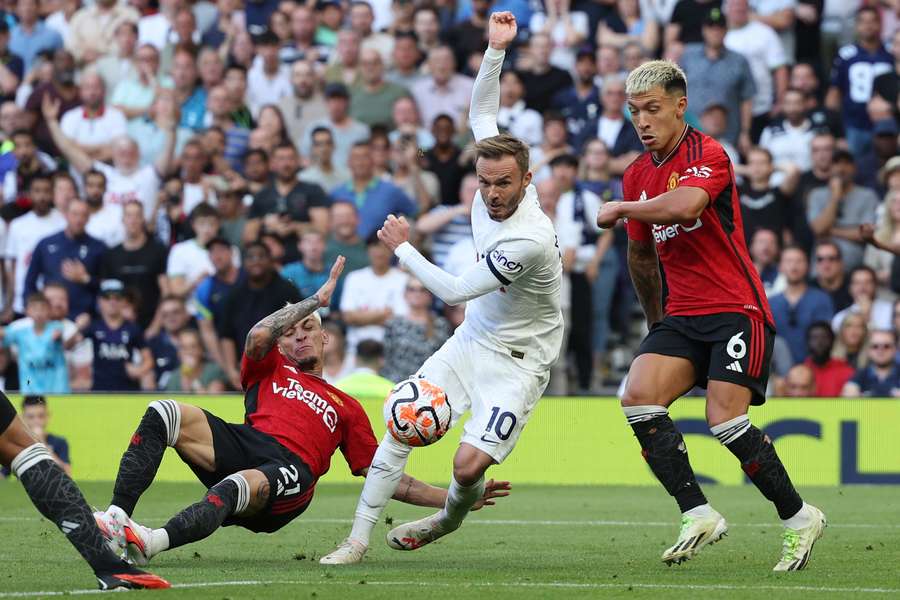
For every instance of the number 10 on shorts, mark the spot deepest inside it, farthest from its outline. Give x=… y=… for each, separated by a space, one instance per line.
x=501 y=423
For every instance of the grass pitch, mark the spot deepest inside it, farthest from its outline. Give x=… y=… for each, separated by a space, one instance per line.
x=541 y=542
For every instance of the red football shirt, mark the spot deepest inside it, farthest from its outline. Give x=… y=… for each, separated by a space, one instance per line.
x=305 y=414
x=706 y=266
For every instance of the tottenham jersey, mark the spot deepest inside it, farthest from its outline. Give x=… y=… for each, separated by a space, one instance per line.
x=523 y=317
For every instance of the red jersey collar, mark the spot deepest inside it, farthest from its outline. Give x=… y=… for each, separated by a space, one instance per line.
x=674 y=151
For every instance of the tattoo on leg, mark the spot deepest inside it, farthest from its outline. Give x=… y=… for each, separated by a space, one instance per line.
x=262 y=494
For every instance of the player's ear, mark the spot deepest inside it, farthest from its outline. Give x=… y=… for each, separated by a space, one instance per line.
x=681 y=106
x=526 y=181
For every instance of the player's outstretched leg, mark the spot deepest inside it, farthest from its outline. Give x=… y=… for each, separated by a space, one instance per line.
x=57 y=497
x=803 y=523
x=231 y=496
x=381 y=484
x=466 y=487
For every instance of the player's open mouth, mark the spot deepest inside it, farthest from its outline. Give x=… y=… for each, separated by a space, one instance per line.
x=647 y=138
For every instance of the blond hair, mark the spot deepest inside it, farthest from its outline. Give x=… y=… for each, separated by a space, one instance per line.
x=656 y=73
x=498 y=146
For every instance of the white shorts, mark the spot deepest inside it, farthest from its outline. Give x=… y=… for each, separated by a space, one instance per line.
x=499 y=392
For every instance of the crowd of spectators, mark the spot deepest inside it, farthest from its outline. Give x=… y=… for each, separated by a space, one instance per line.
x=172 y=172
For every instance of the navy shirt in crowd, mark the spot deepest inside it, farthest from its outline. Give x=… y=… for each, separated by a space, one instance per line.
x=113 y=349
x=870 y=385
x=791 y=322
x=165 y=356
x=47 y=263
x=854 y=71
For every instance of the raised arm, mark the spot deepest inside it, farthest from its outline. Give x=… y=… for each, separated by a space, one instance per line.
x=486 y=91
x=75 y=155
x=264 y=334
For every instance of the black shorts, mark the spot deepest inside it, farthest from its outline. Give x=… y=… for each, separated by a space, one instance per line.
x=728 y=347
x=7 y=412
x=239 y=448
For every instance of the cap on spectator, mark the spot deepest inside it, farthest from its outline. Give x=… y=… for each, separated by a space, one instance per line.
x=336 y=90
x=890 y=167
x=842 y=156
x=715 y=18
x=568 y=160
x=112 y=287
x=218 y=241
x=885 y=127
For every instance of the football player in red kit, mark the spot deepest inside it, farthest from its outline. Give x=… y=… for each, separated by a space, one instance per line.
x=716 y=330
x=261 y=474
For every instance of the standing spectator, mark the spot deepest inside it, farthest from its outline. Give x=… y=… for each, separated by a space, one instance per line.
x=36 y=415
x=830 y=373
x=852 y=341
x=855 y=69
x=789 y=139
x=139 y=262
x=541 y=79
x=881 y=377
x=372 y=99
x=580 y=103
x=173 y=318
x=426 y=26
x=764 y=252
x=93 y=125
x=21 y=239
x=469 y=36
x=830 y=274
x=407 y=121
x=878 y=313
x=800 y=305
x=345 y=68
x=134 y=95
x=268 y=80
x=345 y=130
x=371 y=296
x=31 y=36
x=78 y=351
x=362 y=20
x=406 y=58
x=883 y=240
x=838 y=210
x=194 y=375
x=71 y=257
x=302 y=45
x=305 y=104
x=120 y=63
x=39 y=347
x=93 y=29
x=762 y=204
x=686 y=23
x=633 y=26
x=209 y=298
x=818 y=175
x=27 y=162
x=12 y=69
x=566 y=28
x=336 y=365
x=410 y=339
x=443 y=91
x=188 y=262
x=407 y=173
x=116 y=344
x=309 y=273
x=363 y=380
x=374 y=198
x=513 y=116
x=612 y=127
x=191 y=98
x=445 y=158
x=717 y=75
x=760 y=45
x=237 y=139
x=322 y=170
x=886 y=88
x=448 y=224
x=287 y=206
x=61 y=88
x=805 y=78
x=714 y=122
x=345 y=241
x=159 y=28
x=555 y=142
x=261 y=294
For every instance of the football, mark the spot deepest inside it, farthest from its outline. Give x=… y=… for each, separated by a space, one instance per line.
x=417 y=412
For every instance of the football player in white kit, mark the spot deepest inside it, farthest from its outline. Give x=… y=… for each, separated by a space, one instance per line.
x=497 y=364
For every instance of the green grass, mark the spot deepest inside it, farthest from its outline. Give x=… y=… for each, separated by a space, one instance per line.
x=586 y=548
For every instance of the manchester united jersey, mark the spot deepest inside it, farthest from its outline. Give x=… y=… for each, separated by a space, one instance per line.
x=305 y=414
x=705 y=263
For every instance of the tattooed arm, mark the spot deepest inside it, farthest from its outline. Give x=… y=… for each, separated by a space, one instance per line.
x=643 y=265
x=418 y=493
x=265 y=333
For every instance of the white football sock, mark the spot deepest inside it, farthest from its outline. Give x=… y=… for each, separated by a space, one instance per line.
x=381 y=483
x=159 y=541
x=799 y=520
x=703 y=510
x=460 y=500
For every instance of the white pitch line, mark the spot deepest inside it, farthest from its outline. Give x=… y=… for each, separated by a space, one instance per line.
x=509 y=584
x=529 y=522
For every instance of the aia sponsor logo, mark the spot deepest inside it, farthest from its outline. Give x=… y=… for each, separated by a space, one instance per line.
x=295 y=391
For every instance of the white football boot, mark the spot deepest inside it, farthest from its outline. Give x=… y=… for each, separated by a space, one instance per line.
x=349 y=552
x=798 y=543
x=697 y=531
x=135 y=538
x=112 y=531
x=414 y=535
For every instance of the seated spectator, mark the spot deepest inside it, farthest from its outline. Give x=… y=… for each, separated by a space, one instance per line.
x=322 y=170
x=800 y=305
x=513 y=116
x=789 y=139
x=71 y=257
x=194 y=374
x=32 y=36
x=800 y=382
x=881 y=377
x=804 y=77
x=116 y=343
x=12 y=69
x=118 y=62
x=231 y=213
x=445 y=158
x=36 y=415
x=407 y=173
x=884 y=147
x=134 y=96
x=27 y=162
x=713 y=122
x=542 y=80
x=830 y=373
x=209 y=297
x=59 y=88
x=310 y=272
x=555 y=143
x=821 y=153
x=852 y=339
x=345 y=130
x=878 y=313
x=448 y=224
x=372 y=295
x=270 y=131
x=883 y=239
x=406 y=58
x=372 y=99
x=567 y=30
x=306 y=104
x=764 y=252
x=256 y=170
x=105 y=220
x=579 y=103
x=374 y=198
x=38 y=343
x=762 y=204
x=220 y=113
x=336 y=365
x=78 y=353
x=268 y=80
x=93 y=125
x=838 y=210
x=364 y=381
x=344 y=68
x=407 y=121
x=188 y=262
x=830 y=276
x=595 y=174
x=443 y=91
x=173 y=318
x=410 y=339
x=612 y=127
x=263 y=292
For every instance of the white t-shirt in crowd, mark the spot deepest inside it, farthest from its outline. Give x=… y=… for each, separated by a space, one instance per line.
x=23 y=236
x=263 y=89
x=106 y=225
x=762 y=48
x=364 y=290
x=570 y=226
x=190 y=260
x=93 y=131
x=141 y=185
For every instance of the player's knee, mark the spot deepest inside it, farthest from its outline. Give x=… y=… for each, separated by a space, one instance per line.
x=259 y=489
x=467 y=475
x=635 y=396
x=170 y=412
